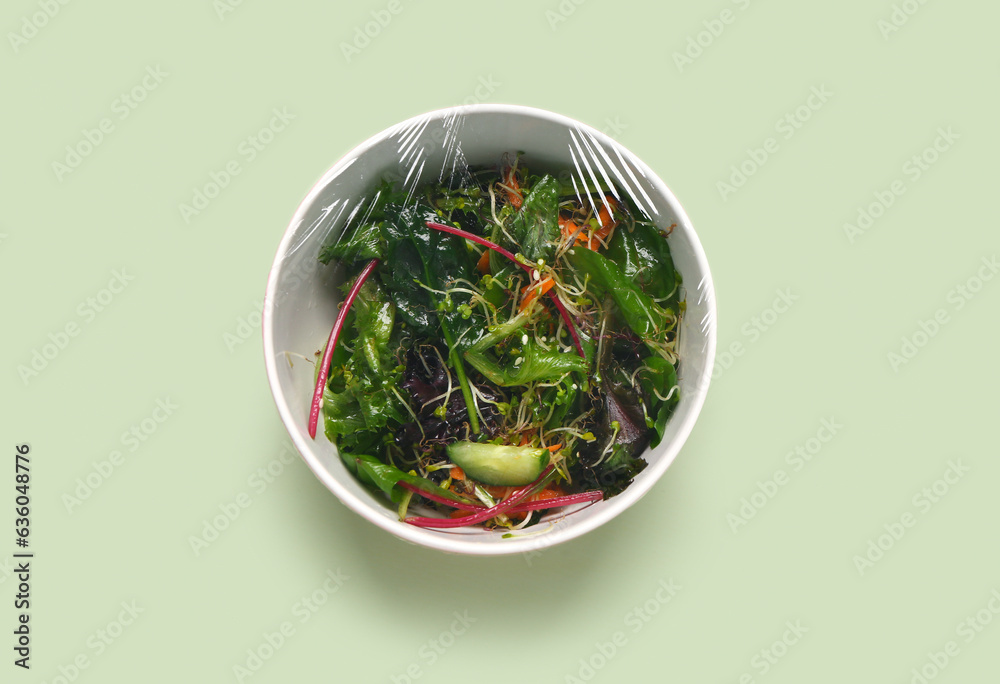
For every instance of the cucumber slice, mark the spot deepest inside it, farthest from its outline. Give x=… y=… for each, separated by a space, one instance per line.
x=493 y=464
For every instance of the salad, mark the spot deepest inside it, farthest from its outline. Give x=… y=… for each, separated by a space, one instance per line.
x=506 y=345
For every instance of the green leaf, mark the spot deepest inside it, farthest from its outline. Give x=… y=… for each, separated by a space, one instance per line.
x=375 y=316
x=493 y=291
x=644 y=257
x=363 y=244
x=359 y=394
x=561 y=399
x=363 y=404
x=421 y=258
x=363 y=240
x=341 y=414
x=463 y=205
x=536 y=225
x=371 y=471
x=424 y=264
x=616 y=473
x=659 y=379
x=536 y=363
x=640 y=312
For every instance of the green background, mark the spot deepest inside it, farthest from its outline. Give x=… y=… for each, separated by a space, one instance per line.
x=195 y=288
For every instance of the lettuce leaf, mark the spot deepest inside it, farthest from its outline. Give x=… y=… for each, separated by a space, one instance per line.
x=536 y=364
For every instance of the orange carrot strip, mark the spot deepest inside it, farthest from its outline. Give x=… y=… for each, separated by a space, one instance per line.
x=533 y=291
x=604 y=215
x=546 y=494
x=514 y=194
x=484 y=262
x=569 y=227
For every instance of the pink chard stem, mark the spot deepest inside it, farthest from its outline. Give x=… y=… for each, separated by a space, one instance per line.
x=331 y=345
x=440 y=499
x=480 y=240
x=486 y=513
x=558 y=501
x=542 y=504
x=569 y=323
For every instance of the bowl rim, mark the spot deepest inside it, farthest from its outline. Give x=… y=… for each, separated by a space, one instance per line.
x=463 y=543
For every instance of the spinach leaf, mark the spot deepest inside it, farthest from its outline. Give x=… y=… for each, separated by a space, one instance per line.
x=371 y=471
x=422 y=264
x=640 y=312
x=644 y=257
x=536 y=225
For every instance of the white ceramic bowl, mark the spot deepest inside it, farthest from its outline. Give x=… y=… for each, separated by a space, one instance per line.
x=301 y=300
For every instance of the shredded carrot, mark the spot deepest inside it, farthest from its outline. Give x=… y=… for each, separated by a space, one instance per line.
x=484 y=262
x=513 y=189
x=604 y=215
x=547 y=493
x=554 y=448
x=607 y=224
x=533 y=291
x=497 y=492
x=457 y=473
x=568 y=227
x=551 y=492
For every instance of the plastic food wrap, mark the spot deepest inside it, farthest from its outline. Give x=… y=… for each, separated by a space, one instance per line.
x=303 y=295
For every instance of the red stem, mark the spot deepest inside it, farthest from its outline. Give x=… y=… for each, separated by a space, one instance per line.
x=481 y=240
x=441 y=499
x=331 y=345
x=486 y=513
x=500 y=250
x=541 y=504
x=569 y=323
x=558 y=501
